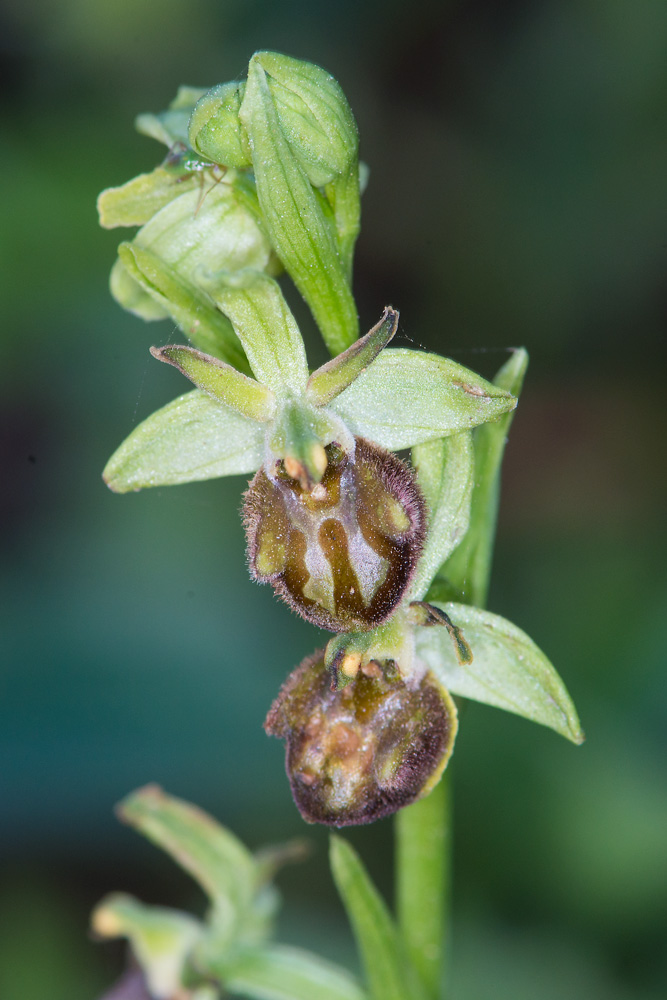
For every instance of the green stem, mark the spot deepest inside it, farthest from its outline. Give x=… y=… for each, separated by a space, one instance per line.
x=423 y=831
x=423 y=852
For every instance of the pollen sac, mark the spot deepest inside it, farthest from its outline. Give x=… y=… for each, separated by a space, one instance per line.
x=342 y=552
x=362 y=752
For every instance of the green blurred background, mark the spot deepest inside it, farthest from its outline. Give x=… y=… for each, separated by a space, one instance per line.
x=518 y=157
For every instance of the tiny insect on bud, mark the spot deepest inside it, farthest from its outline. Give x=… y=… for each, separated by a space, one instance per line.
x=362 y=752
x=342 y=552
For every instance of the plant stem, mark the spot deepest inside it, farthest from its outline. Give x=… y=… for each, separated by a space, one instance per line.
x=423 y=831
x=423 y=852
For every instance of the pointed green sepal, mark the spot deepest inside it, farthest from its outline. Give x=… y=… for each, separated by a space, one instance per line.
x=191 y=439
x=336 y=375
x=507 y=669
x=468 y=568
x=445 y=471
x=135 y=203
x=249 y=398
x=161 y=939
x=302 y=235
x=406 y=397
x=265 y=326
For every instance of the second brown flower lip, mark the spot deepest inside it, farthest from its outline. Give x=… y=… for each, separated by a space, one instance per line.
x=343 y=554
x=365 y=751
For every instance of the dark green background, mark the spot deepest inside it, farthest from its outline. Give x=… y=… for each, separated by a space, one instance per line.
x=518 y=157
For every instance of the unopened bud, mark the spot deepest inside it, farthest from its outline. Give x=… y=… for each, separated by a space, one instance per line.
x=342 y=552
x=362 y=752
x=215 y=130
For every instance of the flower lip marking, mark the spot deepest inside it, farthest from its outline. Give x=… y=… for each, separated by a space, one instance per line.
x=342 y=552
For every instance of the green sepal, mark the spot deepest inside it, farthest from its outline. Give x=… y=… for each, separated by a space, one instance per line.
x=171 y=126
x=336 y=375
x=281 y=972
x=507 y=670
x=388 y=973
x=192 y=438
x=445 y=470
x=140 y=271
x=161 y=939
x=215 y=858
x=407 y=397
x=135 y=203
x=468 y=569
x=264 y=325
x=133 y=292
x=302 y=237
x=215 y=130
x=249 y=398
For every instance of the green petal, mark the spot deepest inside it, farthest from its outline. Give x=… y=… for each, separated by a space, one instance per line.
x=300 y=233
x=249 y=398
x=407 y=397
x=192 y=438
x=445 y=470
x=507 y=670
x=336 y=375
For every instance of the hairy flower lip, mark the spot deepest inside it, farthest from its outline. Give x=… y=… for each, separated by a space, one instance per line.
x=359 y=754
x=343 y=558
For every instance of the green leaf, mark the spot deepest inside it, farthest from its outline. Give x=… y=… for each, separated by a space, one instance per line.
x=407 y=397
x=381 y=952
x=507 y=670
x=192 y=438
x=249 y=398
x=135 y=203
x=468 y=569
x=336 y=375
x=279 y=972
x=191 y=308
x=299 y=231
x=161 y=938
x=445 y=469
x=220 y=863
x=265 y=326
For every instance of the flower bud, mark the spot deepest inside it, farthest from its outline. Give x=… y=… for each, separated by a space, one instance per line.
x=215 y=130
x=314 y=115
x=362 y=752
x=342 y=553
